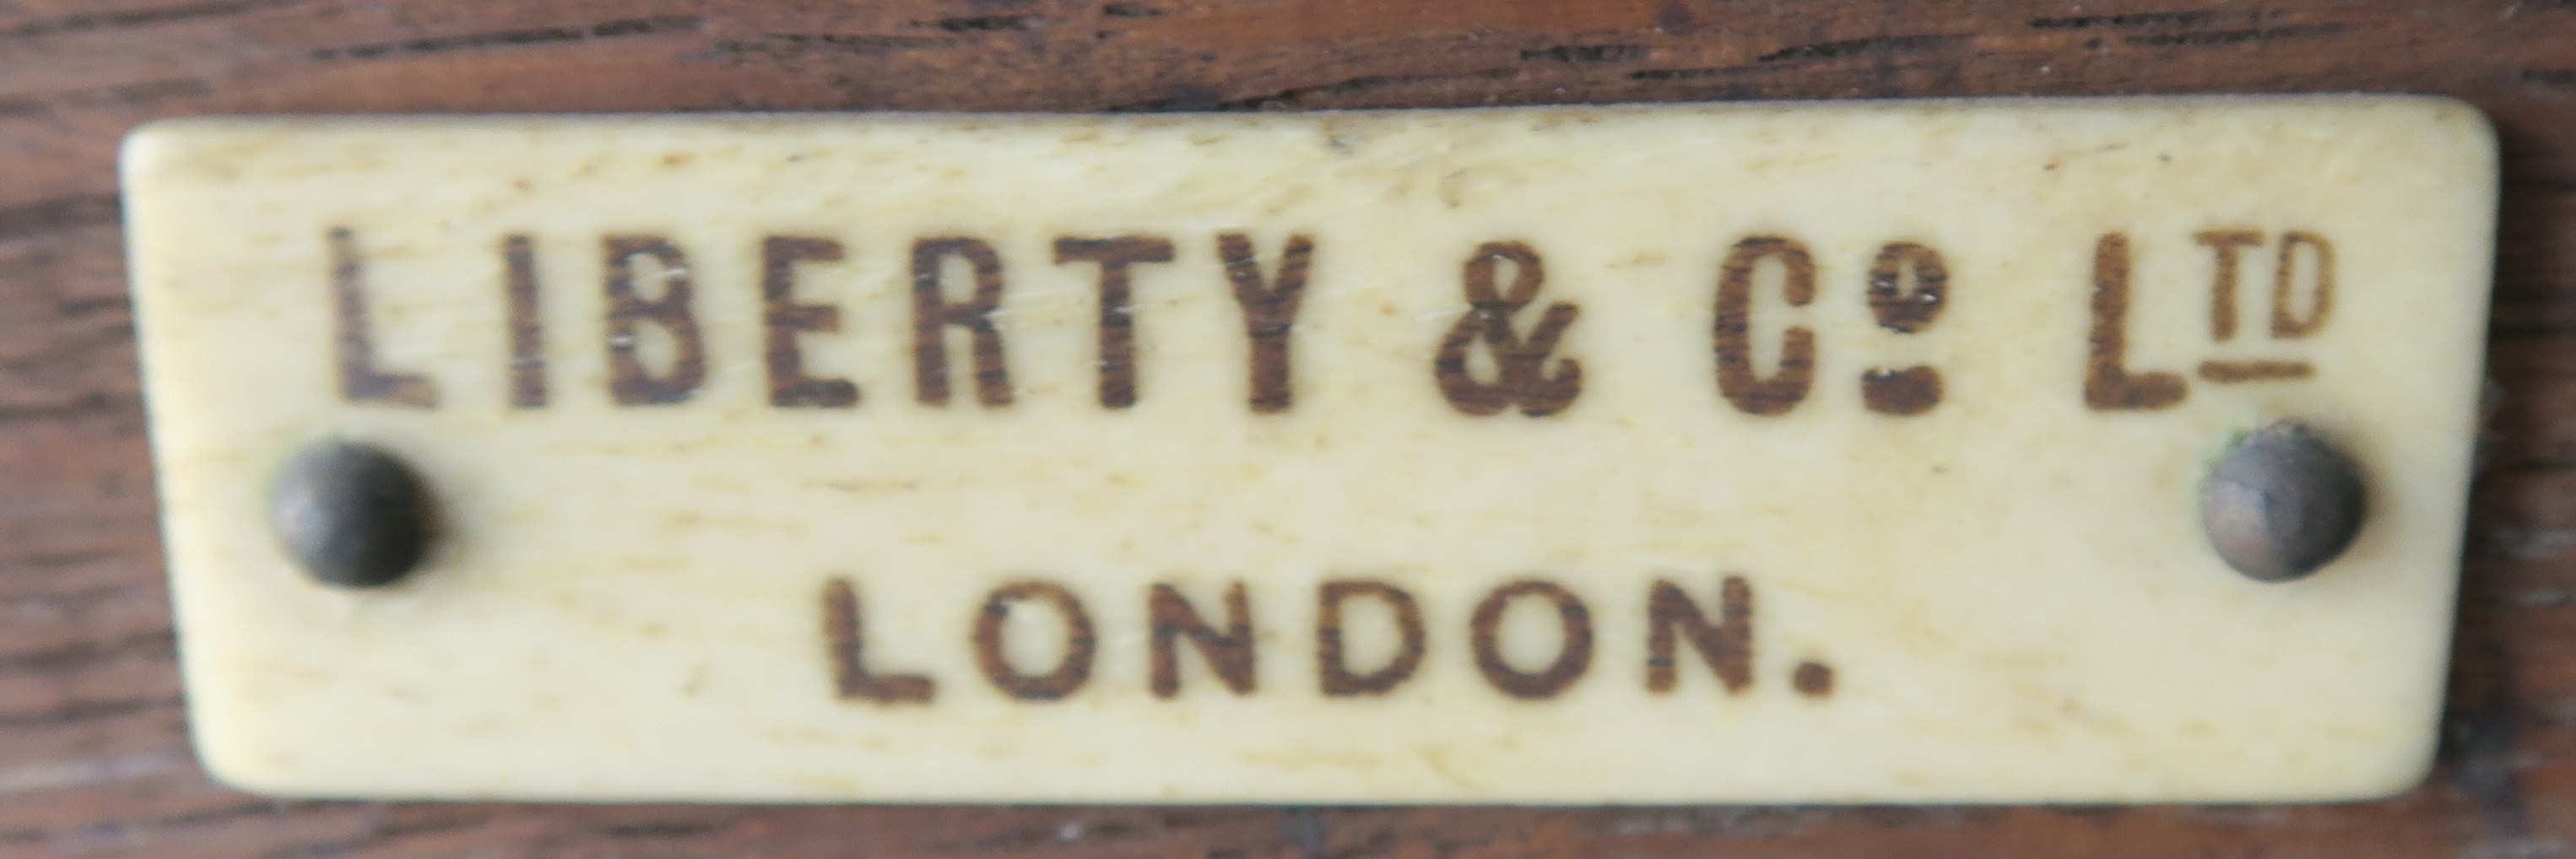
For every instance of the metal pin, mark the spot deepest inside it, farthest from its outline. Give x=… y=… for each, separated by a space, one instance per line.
x=2281 y=504
x=350 y=514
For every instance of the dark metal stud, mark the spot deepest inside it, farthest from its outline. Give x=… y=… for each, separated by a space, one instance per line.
x=2281 y=504
x=350 y=514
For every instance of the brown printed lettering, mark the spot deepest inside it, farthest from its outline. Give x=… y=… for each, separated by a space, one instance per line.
x=1573 y=657
x=784 y=318
x=527 y=327
x=629 y=381
x=1117 y=257
x=932 y=312
x=1068 y=675
x=1736 y=379
x=2224 y=244
x=1334 y=670
x=1910 y=390
x=1899 y=309
x=1813 y=679
x=1726 y=645
x=1524 y=377
x=850 y=674
x=1228 y=653
x=2285 y=324
x=361 y=381
x=1269 y=312
x=2108 y=384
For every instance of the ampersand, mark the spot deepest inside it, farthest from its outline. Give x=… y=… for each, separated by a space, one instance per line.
x=1524 y=376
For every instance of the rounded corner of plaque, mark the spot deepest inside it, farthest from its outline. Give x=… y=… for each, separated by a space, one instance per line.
x=229 y=761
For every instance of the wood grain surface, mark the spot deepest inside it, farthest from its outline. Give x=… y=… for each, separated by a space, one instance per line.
x=94 y=757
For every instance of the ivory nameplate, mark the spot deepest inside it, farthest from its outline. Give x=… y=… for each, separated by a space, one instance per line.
x=1676 y=454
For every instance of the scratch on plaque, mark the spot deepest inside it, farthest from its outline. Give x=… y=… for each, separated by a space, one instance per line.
x=1438 y=760
x=868 y=486
x=696 y=682
x=1313 y=759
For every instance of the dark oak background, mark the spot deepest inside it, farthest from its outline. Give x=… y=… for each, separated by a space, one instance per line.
x=94 y=757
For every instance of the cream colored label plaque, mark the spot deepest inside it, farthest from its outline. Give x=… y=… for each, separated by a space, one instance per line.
x=1758 y=453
